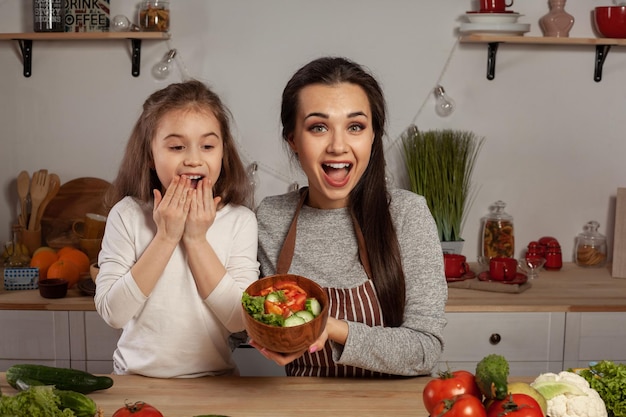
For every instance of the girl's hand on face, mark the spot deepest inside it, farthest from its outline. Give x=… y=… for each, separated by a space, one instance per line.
x=202 y=211
x=171 y=210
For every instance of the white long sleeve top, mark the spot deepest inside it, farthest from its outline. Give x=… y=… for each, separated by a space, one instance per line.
x=173 y=332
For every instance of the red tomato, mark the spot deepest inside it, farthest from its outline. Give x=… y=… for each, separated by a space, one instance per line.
x=515 y=405
x=448 y=385
x=296 y=302
x=289 y=286
x=464 y=405
x=139 y=409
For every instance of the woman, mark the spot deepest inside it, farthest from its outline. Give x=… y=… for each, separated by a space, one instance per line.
x=376 y=252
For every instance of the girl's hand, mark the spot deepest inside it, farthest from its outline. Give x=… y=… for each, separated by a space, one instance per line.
x=202 y=211
x=170 y=211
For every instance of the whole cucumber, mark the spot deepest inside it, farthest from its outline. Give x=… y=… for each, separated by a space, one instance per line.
x=62 y=378
x=80 y=404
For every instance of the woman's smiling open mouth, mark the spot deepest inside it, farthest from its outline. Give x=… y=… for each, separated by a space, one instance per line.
x=337 y=173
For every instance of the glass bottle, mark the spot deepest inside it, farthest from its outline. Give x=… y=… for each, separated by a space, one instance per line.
x=498 y=238
x=48 y=15
x=18 y=255
x=591 y=250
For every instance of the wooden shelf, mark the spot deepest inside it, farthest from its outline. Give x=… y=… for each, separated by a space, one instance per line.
x=602 y=45
x=25 y=41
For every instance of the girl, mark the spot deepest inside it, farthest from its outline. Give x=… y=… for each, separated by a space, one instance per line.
x=180 y=243
x=376 y=252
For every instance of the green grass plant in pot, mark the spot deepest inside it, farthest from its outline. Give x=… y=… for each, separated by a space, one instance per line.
x=439 y=165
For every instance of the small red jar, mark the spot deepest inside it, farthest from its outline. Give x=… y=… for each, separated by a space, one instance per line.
x=554 y=258
x=533 y=252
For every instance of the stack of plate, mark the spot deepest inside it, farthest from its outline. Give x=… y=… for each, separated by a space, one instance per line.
x=504 y=23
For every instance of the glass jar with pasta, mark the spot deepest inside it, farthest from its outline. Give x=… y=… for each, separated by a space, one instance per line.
x=591 y=248
x=498 y=233
x=154 y=16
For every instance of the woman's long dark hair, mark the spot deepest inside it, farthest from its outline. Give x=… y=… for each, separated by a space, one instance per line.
x=369 y=200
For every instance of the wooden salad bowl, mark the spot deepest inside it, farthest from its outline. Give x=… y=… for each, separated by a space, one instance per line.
x=287 y=339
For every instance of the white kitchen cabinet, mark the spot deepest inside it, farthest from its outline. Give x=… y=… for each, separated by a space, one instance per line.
x=532 y=343
x=591 y=337
x=93 y=342
x=40 y=337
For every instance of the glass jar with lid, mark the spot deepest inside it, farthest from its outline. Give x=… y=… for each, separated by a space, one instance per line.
x=498 y=238
x=154 y=16
x=591 y=250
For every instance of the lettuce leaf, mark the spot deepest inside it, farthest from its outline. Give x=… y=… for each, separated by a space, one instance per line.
x=37 y=401
x=609 y=380
x=255 y=306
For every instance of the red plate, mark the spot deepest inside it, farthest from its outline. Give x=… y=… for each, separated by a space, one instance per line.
x=468 y=275
x=519 y=278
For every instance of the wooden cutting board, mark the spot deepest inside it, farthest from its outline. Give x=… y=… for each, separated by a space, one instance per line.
x=619 y=242
x=74 y=199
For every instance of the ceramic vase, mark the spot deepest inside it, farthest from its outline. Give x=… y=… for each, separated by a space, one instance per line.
x=557 y=23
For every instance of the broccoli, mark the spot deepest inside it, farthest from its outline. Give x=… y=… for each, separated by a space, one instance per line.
x=492 y=374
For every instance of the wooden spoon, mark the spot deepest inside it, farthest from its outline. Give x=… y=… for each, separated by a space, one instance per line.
x=23 y=185
x=53 y=189
x=38 y=192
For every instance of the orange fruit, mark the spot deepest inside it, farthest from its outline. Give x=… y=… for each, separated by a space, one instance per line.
x=43 y=260
x=78 y=258
x=64 y=269
x=65 y=249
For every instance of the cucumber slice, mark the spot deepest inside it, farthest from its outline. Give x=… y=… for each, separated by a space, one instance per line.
x=313 y=306
x=293 y=320
x=274 y=297
x=305 y=315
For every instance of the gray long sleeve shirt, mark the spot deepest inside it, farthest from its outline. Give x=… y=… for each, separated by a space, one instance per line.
x=326 y=251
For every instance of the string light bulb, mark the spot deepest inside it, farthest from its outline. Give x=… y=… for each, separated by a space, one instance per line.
x=444 y=105
x=253 y=175
x=121 y=23
x=161 y=70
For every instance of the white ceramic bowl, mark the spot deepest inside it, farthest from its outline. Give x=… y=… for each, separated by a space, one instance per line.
x=492 y=17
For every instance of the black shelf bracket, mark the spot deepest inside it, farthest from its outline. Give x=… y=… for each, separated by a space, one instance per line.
x=492 y=50
x=26 y=46
x=135 y=56
x=601 y=52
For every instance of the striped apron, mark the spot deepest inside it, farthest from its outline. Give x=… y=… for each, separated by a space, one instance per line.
x=358 y=304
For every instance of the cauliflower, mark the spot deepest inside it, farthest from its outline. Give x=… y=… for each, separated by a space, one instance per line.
x=569 y=395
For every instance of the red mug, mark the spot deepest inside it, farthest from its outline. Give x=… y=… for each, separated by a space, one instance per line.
x=494 y=6
x=502 y=269
x=455 y=265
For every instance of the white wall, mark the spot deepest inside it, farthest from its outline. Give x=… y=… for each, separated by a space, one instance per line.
x=554 y=145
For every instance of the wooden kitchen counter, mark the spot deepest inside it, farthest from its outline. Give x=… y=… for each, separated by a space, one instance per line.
x=572 y=289
x=265 y=396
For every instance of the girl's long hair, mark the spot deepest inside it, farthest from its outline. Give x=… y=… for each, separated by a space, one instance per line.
x=369 y=200
x=136 y=176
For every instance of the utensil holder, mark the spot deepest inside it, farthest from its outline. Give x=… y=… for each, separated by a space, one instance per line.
x=31 y=238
